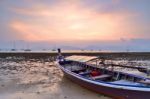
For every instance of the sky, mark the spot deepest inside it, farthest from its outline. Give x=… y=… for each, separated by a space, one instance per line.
x=90 y=24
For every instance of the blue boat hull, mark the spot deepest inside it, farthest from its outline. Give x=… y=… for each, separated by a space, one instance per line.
x=109 y=91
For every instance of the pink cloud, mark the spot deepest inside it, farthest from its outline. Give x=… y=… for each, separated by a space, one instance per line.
x=71 y=21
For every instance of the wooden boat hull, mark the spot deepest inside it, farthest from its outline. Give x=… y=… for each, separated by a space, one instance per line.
x=109 y=91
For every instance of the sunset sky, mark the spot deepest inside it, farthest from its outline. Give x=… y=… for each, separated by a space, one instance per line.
x=86 y=22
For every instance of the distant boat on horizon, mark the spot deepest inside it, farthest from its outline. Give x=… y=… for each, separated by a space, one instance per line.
x=13 y=49
x=27 y=50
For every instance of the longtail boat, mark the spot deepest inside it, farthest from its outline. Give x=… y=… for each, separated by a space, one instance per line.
x=92 y=73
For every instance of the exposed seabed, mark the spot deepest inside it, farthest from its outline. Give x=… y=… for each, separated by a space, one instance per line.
x=38 y=79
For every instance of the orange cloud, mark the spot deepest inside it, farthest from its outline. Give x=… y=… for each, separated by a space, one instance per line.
x=70 y=21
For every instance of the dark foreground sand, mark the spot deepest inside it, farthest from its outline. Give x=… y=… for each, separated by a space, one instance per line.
x=36 y=79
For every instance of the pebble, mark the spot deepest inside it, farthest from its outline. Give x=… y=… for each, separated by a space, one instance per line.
x=2 y=85
x=65 y=97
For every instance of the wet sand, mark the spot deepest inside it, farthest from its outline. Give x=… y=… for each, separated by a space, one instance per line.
x=37 y=79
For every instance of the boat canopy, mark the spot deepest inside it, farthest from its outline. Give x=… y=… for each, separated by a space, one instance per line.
x=81 y=58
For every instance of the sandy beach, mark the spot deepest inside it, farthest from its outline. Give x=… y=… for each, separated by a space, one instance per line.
x=38 y=79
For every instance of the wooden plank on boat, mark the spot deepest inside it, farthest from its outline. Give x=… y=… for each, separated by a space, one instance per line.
x=101 y=77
